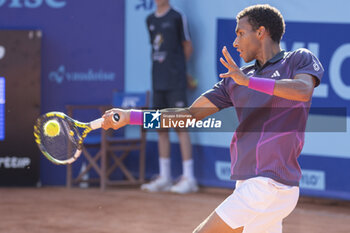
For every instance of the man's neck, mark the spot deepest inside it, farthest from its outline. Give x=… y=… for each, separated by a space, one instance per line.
x=267 y=52
x=161 y=10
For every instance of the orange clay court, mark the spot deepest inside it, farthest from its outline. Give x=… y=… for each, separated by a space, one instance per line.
x=128 y=210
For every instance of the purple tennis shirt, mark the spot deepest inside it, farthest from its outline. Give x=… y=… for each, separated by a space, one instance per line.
x=270 y=134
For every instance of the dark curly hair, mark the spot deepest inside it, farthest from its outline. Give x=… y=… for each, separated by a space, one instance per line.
x=267 y=16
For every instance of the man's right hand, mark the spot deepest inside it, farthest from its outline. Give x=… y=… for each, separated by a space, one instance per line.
x=109 y=122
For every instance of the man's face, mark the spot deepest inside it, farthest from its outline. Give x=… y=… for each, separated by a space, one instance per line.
x=247 y=42
x=161 y=2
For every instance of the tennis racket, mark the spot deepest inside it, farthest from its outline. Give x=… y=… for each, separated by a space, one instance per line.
x=64 y=145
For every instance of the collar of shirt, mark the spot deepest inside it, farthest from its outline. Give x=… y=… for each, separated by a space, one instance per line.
x=273 y=60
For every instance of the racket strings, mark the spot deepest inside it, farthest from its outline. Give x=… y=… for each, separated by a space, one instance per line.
x=65 y=144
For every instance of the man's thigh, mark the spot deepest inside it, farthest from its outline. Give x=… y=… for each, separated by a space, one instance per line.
x=259 y=204
x=214 y=224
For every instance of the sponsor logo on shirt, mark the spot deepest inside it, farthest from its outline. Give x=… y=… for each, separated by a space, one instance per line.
x=157 y=42
x=316 y=66
x=275 y=74
x=159 y=56
x=166 y=25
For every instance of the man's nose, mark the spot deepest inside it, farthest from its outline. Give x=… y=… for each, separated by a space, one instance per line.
x=235 y=43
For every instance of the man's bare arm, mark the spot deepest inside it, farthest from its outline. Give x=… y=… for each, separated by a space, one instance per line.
x=300 y=88
x=200 y=109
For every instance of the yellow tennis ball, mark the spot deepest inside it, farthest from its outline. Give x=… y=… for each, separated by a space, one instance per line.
x=52 y=128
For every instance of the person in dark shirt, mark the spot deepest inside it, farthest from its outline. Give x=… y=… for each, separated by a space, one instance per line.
x=272 y=98
x=171 y=48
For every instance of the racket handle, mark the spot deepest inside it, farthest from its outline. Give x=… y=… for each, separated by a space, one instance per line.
x=96 y=124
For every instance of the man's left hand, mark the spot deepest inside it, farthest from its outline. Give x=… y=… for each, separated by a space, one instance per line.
x=234 y=71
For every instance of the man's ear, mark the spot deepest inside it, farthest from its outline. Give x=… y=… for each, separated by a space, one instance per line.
x=261 y=31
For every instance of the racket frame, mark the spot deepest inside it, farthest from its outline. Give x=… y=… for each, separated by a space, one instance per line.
x=96 y=124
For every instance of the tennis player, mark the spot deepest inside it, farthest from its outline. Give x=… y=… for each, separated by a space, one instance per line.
x=271 y=98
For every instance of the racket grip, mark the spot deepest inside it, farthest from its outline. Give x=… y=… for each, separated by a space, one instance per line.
x=96 y=124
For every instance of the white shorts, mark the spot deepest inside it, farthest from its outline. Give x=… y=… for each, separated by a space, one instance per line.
x=259 y=204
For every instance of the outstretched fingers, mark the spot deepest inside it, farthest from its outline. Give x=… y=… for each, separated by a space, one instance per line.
x=229 y=68
x=225 y=63
x=229 y=64
x=233 y=70
x=228 y=58
x=225 y=75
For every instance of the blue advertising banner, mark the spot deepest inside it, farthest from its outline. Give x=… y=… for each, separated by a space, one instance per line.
x=82 y=54
x=83 y=46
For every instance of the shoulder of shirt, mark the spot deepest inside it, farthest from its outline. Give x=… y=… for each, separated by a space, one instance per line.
x=299 y=56
x=177 y=12
x=151 y=16
x=299 y=53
